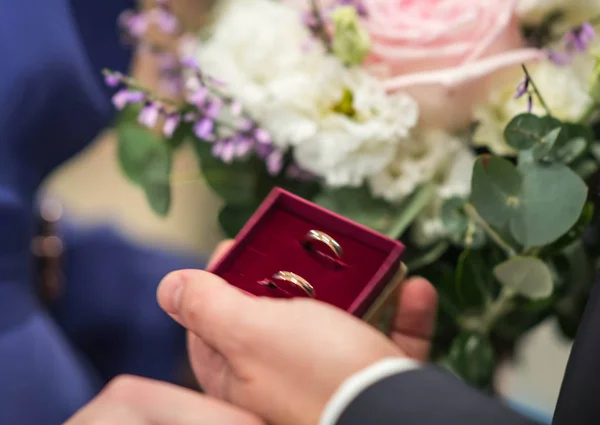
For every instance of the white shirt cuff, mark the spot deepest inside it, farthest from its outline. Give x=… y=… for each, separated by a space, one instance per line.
x=357 y=383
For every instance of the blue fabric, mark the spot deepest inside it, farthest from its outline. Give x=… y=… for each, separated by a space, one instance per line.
x=52 y=103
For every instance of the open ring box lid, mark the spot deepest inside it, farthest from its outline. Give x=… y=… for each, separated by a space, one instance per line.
x=272 y=241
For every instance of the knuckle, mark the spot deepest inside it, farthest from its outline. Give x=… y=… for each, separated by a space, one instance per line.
x=122 y=388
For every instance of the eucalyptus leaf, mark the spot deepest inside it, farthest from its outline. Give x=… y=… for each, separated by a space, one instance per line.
x=549 y=202
x=460 y=229
x=358 y=205
x=573 y=234
x=524 y=131
x=526 y=276
x=573 y=142
x=495 y=188
x=235 y=183
x=542 y=149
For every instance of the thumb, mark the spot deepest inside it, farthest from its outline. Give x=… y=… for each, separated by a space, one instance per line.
x=414 y=323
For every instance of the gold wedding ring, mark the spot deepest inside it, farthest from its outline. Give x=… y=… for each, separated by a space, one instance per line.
x=292 y=278
x=318 y=236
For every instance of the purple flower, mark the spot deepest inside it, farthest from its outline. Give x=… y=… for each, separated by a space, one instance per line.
x=113 y=79
x=149 y=114
x=522 y=88
x=134 y=24
x=203 y=129
x=275 y=162
x=559 y=58
x=166 y=21
x=243 y=145
x=172 y=84
x=217 y=149
x=236 y=108
x=228 y=151
x=171 y=123
x=190 y=62
x=262 y=136
x=198 y=98
x=213 y=107
x=579 y=38
x=246 y=125
x=123 y=97
x=190 y=116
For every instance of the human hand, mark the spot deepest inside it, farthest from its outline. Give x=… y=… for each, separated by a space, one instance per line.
x=130 y=400
x=284 y=359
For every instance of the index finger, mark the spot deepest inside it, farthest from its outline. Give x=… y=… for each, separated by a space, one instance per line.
x=144 y=401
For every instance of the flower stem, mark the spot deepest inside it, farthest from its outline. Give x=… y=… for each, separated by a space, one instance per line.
x=492 y=234
x=497 y=309
x=414 y=206
x=535 y=89
x=321 y=29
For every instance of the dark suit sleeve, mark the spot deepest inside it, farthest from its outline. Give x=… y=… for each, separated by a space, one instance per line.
x=426 y=396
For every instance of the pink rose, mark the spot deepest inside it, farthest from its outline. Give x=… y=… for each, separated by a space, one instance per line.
x=440 y=51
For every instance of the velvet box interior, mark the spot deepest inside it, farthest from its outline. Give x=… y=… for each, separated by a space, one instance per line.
x=272 y=241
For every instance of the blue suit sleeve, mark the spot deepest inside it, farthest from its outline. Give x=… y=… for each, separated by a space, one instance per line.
x=96 y=22
x=109 y=308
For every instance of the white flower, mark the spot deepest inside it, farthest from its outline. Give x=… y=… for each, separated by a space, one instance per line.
x=574 y=11
x=565 y=90
x=428 y=156
x=340 y=121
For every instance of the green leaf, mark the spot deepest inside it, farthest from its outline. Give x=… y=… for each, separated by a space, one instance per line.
x=471 y=279
x=548 y=203
x=573 y=234
x=235 y=183
x=579 y=277
x=359 y=205
x=233 y=217
x=495 y=188
x=573 y=142
x=524 y=131
x=461 y=230
x=541 y=150
x=526 y=276
x=472 y=357
x=146 y=159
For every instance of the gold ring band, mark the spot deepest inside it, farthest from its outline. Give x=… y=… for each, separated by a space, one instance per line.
x=324 y=238
x=292 y=278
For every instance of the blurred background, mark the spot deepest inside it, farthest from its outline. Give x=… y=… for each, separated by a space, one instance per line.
x=93 y=189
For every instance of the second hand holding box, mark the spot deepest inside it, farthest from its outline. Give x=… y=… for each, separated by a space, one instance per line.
x=360 y=280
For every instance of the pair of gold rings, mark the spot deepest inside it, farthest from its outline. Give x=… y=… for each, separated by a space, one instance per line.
x=311 y=240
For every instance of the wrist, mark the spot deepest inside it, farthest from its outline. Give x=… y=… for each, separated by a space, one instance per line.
x=358 y=382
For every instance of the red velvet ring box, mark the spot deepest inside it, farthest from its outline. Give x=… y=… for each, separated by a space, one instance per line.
x=272 y=241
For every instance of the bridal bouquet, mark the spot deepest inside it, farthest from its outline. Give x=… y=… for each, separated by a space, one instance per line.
x=463 y=126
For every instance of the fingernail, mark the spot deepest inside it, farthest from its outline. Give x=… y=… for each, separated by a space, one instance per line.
x=171 y=288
